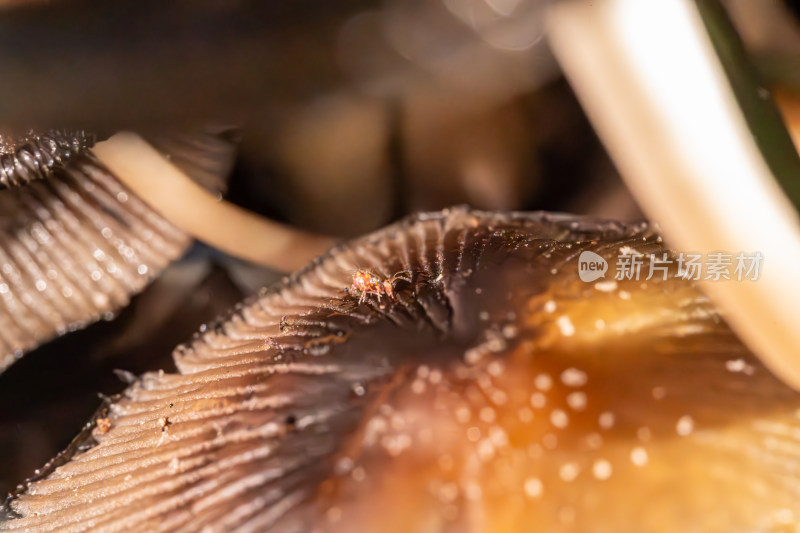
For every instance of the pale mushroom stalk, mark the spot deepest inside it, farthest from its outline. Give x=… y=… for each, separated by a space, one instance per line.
x=195 y=210
x=680 y=125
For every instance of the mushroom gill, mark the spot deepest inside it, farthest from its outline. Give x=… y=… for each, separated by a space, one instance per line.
x=448 y=373
x=75 y=243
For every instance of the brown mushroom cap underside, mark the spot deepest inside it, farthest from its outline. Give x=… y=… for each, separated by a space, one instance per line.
x=490 y=390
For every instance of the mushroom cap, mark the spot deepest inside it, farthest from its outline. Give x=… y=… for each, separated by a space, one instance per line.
x=488 y=390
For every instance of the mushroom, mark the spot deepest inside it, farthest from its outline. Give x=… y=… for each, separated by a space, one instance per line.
x=75 y=243
x=478 y=385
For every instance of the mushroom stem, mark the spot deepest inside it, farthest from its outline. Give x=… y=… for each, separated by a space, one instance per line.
x=193 y=209
x=657 y=93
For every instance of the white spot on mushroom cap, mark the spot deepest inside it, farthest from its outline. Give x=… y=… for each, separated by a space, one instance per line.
x=358 y=474
x=487 y=414
x=569 y=472
x=525 y=415
x=594 y=441
x=606 y=420
x=602 y=469
x=550 y=441
x=559 y=418
x=533 y=487
x=685 y=425
x=639 y=456
x=538 y=400
x=577 y=400
x=606 y=286
x=784 y=517
x=543 y=382
x=565 y=325
x=572 y=377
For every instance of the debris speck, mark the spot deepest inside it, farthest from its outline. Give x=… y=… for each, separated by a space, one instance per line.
x=163 y=423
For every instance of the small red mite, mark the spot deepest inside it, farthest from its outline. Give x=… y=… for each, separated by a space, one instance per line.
x=365 y=282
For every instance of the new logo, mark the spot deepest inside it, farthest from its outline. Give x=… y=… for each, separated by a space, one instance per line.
x=591 y=266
